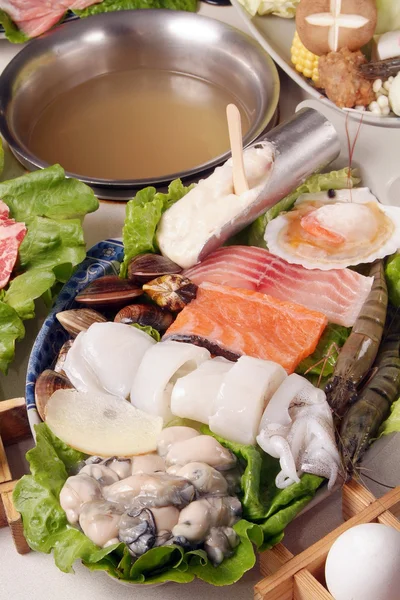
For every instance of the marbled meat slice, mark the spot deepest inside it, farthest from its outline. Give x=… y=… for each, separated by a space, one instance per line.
x=338 y=293
x=11 y=236
x=34 y=17
x=231 y=322
x=4 y=210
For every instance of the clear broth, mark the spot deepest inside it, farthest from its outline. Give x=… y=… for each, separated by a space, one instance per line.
x=134 y=125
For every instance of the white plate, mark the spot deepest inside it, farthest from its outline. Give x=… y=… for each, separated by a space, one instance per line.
x=275 y=35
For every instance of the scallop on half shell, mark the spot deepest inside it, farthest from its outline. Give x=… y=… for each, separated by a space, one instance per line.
x=334 y=230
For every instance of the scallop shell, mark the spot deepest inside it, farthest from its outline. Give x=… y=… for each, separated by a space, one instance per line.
x=302 y=251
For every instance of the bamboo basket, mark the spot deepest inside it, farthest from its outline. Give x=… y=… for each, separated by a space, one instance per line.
x=301 y=577
x=14 y=427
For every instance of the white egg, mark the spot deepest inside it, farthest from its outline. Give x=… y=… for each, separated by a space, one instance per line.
x=364 y=564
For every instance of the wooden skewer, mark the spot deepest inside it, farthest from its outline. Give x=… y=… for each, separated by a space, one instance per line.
x=235 y=137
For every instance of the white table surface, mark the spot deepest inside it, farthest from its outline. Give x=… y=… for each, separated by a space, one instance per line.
x=34 y=576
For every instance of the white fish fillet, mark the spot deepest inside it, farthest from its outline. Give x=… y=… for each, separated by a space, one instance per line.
x=193 y=396
x=114 y=352
x=161 y=366
x=244 y=393
x=339 y=294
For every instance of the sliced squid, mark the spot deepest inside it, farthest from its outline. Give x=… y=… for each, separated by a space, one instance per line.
x=114 y=352
x=193 y=396
x=79 y=371
x=245 y=391
x=160 y=368
x=297 y=428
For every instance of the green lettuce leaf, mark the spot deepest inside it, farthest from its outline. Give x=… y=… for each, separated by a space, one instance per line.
x=50 y=242
x=392 y=423
x=25 y=288
x=52 y=207
x=335 y=180
x=233 y=568
x=388 y=16
x=47 y=193
x=12 y=32
x=46 y=528
x=143 y=214
x=271 y=508
x=392 y=274
x=11 y=330
x=114 y=5
x=281 y=8
x=36 y=497
x=149 y=330
x=319 y=366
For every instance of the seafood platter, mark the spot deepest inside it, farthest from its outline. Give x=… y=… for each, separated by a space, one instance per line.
x=344 y=50
x=198 y=383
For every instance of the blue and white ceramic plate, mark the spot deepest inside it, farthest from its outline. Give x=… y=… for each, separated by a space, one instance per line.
x=103 y=259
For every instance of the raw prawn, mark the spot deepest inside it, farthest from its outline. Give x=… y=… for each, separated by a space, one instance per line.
x=361 y=347
x=382 y=68
x=362 y=421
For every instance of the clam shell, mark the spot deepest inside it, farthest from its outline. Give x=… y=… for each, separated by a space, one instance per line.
x=145 y=267
x=62 y=355
x=80 y=319
x=145 y=314
x=110 y=290
x=46 y=384
x=172 y=292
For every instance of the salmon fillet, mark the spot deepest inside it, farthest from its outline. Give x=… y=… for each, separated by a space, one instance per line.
x=338 y=293
x=231 y=322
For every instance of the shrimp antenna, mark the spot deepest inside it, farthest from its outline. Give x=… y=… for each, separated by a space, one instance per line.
x=351 y=147
x=325 y=357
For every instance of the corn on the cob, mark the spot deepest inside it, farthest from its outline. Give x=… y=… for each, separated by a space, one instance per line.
x=304 y=61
